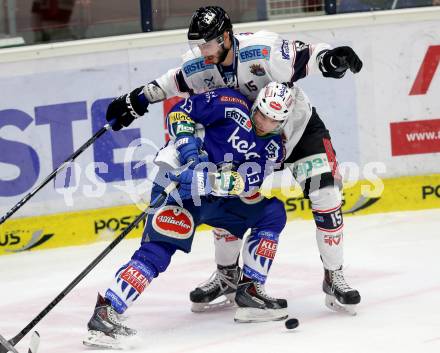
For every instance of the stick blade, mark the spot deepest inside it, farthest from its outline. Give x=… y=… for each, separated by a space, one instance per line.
x=34 y=343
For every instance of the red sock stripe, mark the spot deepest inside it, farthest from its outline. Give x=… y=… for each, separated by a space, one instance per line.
x=331 y=156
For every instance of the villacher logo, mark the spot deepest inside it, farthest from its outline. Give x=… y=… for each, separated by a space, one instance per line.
x=174 y=222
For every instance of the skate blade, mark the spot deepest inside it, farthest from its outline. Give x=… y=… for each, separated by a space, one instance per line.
x=226 y=303
x=250 y=315
x=97 y=339
x=332 y=303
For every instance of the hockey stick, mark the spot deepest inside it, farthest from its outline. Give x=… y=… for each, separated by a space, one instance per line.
x=75 y=154
x=33 y=345
x=5 y=343
x=6 y=346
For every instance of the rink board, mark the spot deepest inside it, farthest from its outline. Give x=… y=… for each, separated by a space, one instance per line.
x=85 y=227
x=387 y=115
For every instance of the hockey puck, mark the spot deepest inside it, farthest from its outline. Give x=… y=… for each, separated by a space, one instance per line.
x=291 y=323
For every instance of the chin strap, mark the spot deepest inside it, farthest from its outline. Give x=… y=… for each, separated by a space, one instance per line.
x=226 y=51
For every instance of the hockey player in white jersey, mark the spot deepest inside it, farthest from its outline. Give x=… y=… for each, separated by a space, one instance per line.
x=247 y=62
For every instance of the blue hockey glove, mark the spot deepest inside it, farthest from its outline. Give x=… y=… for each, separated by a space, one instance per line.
x=188 y=147
x=187 y=188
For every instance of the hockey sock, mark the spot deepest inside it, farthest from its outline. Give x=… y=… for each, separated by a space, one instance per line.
x=258 y=253
x=326 y=204
x=130 y=281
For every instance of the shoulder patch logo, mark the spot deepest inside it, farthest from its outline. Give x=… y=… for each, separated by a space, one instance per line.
x=257 y=70
x=285 y=52
x=254 y=52
x=178 y=117
x=196 y=65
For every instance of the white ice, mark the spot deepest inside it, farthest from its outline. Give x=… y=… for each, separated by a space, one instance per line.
x=393 y=259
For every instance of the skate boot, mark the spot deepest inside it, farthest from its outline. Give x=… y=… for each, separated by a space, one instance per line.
x=218 y=292
x=255 y=305
x=105 y=327
x=339 y=295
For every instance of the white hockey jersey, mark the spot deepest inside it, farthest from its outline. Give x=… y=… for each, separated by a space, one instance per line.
x=297 y=122
x=260 y=58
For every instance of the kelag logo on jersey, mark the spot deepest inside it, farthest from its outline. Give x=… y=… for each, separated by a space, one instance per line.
x=242 y=145
x=254 y=52
x=239 y=117
x=197 y=65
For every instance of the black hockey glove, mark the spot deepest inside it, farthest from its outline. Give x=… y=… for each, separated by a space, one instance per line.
x=126 y=108
x=335 y=62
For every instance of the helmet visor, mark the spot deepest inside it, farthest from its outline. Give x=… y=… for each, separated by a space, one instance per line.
x=206 y=48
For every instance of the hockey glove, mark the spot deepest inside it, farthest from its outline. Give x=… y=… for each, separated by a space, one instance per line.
x=188 y=148
x=126 y=108
x=187 y=189
x=196 y=182
x=335 y=62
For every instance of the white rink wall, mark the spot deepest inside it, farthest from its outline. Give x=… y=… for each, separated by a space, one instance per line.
x=53 y=98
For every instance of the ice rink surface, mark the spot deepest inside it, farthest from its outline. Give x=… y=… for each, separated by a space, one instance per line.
x=392 y=259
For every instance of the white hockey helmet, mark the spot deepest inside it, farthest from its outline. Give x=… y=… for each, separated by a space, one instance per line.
x=275 y=101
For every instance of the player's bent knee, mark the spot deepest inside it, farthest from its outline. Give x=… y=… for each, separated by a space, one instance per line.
x=156 y=254
x=274 y=215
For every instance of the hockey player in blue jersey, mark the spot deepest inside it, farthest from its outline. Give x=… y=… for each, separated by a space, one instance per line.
x=241 y=144
x=221 y=57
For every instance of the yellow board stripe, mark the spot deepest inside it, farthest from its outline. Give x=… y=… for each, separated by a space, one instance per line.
x=86 y=227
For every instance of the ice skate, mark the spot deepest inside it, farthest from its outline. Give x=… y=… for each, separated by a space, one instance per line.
x=255 y=305
x=339 y=295
x=218 y=292
x=105 y=327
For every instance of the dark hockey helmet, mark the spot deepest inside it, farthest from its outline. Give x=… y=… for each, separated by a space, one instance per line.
x=208 y=23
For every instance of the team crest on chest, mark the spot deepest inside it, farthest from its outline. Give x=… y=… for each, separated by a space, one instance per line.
x=257 y=70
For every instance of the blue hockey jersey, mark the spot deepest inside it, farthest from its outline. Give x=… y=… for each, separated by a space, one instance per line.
x=228 y=133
